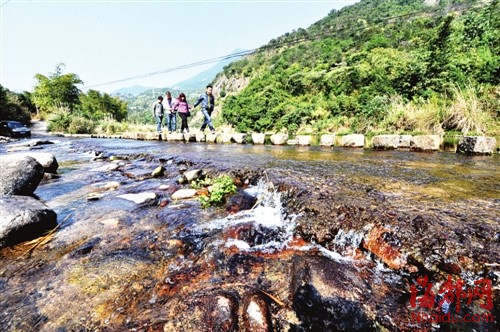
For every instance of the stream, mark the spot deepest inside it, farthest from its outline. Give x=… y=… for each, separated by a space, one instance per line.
x=315 y=239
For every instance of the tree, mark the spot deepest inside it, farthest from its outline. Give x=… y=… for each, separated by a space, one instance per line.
x=57 y=89
x=95 y=105
x=10 y=108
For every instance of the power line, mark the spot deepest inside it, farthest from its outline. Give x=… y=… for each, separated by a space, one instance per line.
x=163 y=71
x=307 y=37
x=3 y=4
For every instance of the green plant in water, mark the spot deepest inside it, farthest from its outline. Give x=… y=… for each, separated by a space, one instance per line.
x=222 y=186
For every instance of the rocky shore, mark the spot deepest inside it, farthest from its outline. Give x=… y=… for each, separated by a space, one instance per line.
x=133 y=249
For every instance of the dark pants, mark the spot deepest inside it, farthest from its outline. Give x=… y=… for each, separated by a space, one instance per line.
x=184 y=122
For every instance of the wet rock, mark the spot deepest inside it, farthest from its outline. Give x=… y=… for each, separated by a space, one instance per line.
x=112 y=185
x=158 y=171
x=86 y=248
x=292 y=142
x=106 y=168
x=476 y=145
x=327 y=140
x=50 y=176
x=384 y=244
x=184 y=193
x=279 y=139
x=240 y=201
x=93 y=196
x=252 y=234
x=221 y=313
x=47 y=160
x=139 y=198
x=258 y=138
x=327 y=297
x=193 y=175
x=20 y=175
x=425 y=143
x=23 y=218
x=34 y=142
x=256 y=315
x=353 y=141
x=303 y=140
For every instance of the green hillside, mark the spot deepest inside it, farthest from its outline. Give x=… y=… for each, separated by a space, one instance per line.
x=376 y=66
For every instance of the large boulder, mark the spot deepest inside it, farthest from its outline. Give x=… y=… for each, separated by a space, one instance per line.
x=476 y=145
x=23 y=218
x=20 y=174
x=47 y=160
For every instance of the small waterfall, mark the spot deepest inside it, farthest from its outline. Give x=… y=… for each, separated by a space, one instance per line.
x=267 y=227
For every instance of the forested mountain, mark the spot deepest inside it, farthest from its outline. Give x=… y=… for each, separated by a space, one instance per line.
x=376 y=66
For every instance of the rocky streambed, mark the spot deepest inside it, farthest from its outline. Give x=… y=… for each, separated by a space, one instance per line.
x=314 y=239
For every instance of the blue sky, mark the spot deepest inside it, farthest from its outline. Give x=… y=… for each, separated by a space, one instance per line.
x=104 y=41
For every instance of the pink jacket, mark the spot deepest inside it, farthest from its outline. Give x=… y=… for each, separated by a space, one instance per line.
x=180 y=106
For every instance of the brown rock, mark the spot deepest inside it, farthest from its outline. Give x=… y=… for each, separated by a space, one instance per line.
x=377 y=242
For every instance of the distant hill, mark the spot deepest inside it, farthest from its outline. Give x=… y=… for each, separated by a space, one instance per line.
x=199 y=81
x=131 y=90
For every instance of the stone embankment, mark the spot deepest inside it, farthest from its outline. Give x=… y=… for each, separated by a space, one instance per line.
x=471 y=145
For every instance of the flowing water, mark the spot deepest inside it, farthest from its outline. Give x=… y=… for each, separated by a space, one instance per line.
x=300 y=259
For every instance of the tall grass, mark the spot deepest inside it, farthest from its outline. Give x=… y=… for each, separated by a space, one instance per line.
x=467 y=113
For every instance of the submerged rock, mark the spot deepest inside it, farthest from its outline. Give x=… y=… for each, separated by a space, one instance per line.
x=158 y=171
x=23 y=218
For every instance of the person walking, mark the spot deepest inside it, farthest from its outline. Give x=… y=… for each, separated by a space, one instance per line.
x=171 y=116
x=158 y=113
x=207 y=107
x=182 y=108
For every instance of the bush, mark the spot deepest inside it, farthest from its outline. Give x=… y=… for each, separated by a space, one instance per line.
x=81 y=125
x=59 y=119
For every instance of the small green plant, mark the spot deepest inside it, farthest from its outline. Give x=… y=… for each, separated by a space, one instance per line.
x=221 y=186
